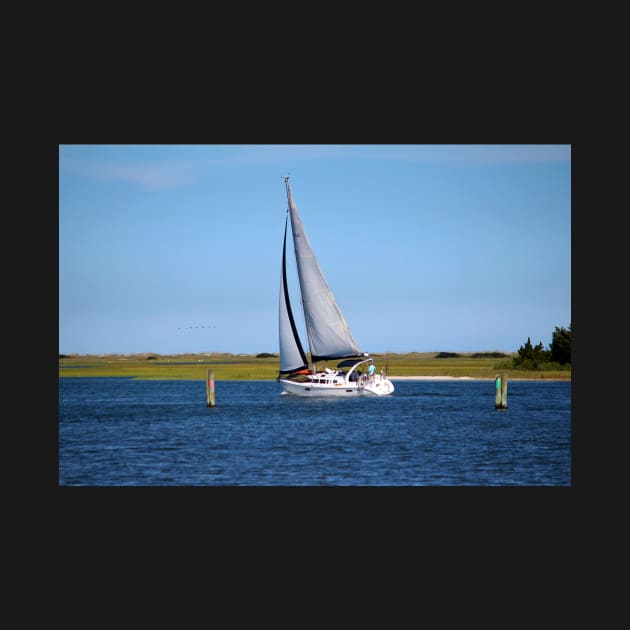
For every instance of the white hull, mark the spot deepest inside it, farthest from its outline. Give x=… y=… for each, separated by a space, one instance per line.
x=375 y=386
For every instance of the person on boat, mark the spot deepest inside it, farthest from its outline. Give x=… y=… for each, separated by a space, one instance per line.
x=371 y=370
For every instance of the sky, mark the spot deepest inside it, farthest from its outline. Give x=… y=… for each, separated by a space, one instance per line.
x=173 y=249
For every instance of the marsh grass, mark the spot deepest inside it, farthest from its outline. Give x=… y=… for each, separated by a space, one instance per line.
x=250 y=367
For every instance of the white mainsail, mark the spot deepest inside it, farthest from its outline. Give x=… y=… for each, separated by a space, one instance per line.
x=328 y=333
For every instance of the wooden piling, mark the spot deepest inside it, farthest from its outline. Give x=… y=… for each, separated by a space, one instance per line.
x=500 y=398
x=210 y=387
x=504 y=381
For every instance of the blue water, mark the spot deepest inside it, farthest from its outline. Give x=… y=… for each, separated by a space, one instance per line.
x=121 y=432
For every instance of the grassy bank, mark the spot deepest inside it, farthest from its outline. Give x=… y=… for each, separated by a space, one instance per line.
x=250 y=367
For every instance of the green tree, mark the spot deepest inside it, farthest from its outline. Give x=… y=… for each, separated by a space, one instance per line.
x=560 y=348
x=526 y=351
x=529 y=357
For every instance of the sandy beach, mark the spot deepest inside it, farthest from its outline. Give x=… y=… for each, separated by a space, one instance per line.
x=437 y=378
x=469 y=378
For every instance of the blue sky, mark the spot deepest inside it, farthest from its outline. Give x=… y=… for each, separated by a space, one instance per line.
x=177 y=248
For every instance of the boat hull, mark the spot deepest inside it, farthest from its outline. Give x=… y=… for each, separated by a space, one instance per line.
x=376 y=387
x=379 y=387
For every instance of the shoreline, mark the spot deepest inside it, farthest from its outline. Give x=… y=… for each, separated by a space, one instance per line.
x=471 y=378
x=438 y=378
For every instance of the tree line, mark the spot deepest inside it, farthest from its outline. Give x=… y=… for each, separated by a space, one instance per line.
x=536 y=357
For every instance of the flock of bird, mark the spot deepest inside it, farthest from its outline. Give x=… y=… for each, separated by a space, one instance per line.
x=190 y=327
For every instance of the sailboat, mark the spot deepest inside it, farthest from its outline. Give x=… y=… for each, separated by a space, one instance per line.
x=329 y=337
